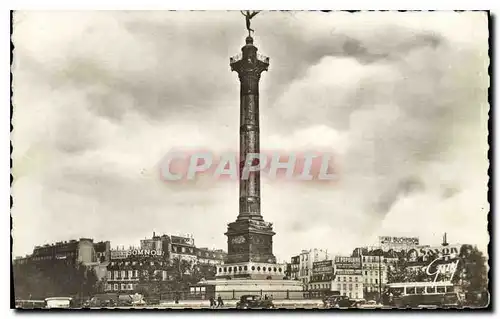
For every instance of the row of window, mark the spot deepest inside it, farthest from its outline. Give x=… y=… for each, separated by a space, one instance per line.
x=117 y=287
x=245 y=268
x=184 y=250
x=131 y=274
x=341 y=278
x=133 y=263
x=339 y=287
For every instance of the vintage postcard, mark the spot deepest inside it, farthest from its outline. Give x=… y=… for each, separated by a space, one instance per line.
x=250 y=160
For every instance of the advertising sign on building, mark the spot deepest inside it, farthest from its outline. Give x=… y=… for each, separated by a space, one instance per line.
x=395 y=241
x=347 y=262
x=354 y=272
x=442 y=268
x=182 y=240
x=122 y=254
x=323 y=267
x=423 y=254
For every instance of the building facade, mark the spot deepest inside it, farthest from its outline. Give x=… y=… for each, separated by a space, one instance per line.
x=126 y=274
x=307 y=258
x=74 y=251
x=131 y=267
x=348 y=277
x=294 y=267
x=323 y=277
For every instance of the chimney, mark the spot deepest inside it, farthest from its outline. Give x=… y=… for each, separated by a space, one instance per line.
x=153 y=234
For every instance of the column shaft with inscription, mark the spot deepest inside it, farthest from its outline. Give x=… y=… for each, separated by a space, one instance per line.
x=249 y=237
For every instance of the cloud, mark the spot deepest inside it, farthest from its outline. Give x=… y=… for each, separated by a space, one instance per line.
x=401 y=99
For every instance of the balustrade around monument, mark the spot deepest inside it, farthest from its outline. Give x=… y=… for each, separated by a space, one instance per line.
x=236 y=294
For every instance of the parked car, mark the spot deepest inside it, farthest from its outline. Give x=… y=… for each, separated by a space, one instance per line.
x=59 y=302
x=338 y=302
x=370 y=304
x=254 y=302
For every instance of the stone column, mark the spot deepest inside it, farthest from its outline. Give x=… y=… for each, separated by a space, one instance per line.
x=249 y=67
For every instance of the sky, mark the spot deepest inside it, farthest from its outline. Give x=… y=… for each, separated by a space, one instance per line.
x=399 y=98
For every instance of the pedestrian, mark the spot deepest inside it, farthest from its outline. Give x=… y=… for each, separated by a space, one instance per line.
x=212 y=302
x=265 y=297
x=220 y=303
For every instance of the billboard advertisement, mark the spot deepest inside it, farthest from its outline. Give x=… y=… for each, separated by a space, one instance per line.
x=347 y=262
x=182 y=240
x=395 y=241
x=423 y=254
x=122 y=254
x=354 y=272
x=323 y=267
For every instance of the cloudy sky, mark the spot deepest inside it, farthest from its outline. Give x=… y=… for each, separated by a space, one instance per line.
x=101 y=97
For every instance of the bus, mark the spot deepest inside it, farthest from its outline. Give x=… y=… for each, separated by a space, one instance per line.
x=424 y=294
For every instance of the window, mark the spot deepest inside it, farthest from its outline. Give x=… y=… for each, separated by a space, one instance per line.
x=130 y=273
x=116 y=274
x=225 y=269
x=263 y=268
x=115 y=287
x=344 y=278
x=183 y=249
x=350 y=279
x=246 y=268
x=258 y=268
x=356 y=286
x=350 y=286
x=356 y=279
x=136 y=273
x=123 y=287
x=376 y=281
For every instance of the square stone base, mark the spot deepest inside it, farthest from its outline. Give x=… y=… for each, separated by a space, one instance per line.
x=275 y=289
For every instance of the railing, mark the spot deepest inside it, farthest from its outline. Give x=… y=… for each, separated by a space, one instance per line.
x=236 y=294
x=239 y=56
x=263 y=58
x=235 y=58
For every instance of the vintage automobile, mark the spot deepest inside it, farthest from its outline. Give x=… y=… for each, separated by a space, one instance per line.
x=254 y=302
x=338 y=302
x=370 y=304
x=59 y=302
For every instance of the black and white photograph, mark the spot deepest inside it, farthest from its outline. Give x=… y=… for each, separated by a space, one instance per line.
x=250 y=159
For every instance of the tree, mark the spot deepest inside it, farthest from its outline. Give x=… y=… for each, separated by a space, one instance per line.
x=53 y=278
x=472 y=269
